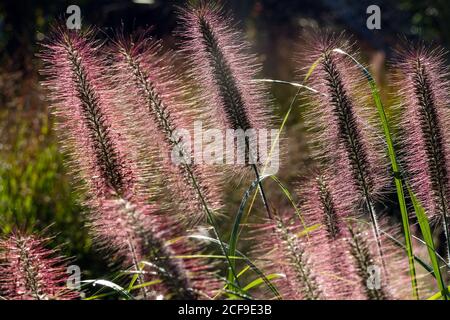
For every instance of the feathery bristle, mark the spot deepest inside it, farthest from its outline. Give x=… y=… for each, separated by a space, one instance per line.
x=346 y=138
x=106 y=161
x=139 y=235
x=157 y=102
x=29 y=271
x=84 y=106
x=224 y=70
x=424 y=90
x=280 y=250
x=328 y=244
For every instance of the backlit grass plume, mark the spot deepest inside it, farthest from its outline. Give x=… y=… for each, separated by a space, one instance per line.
x=224 y=69
x=281 y=250
x=156 y=103
x=345 y=137
x=30 y=271
x=345 y=256
x=225 y=73
x=425 y=122
x=328 y=242
x=105 y=161
x=144 y=239
x=88 y=124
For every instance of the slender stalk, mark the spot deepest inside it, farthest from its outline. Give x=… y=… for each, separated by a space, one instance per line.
x=214 y=225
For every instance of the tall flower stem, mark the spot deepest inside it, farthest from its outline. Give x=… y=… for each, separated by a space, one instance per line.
x=213 y=223
x=261 y=191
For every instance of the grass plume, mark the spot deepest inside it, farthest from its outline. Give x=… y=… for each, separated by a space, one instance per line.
x=30 y=271
x=424 y=92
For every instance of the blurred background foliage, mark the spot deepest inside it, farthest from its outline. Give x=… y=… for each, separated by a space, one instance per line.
x=35 y=191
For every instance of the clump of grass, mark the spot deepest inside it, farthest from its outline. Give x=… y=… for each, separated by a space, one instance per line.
x=106 y=164
x=117 y=124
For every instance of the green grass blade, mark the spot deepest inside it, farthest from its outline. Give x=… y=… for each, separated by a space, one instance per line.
x=257 y=282
x=246 y=260
x=395 y=168
x=428 y=238
x=237 y=224
x=437 y=295
x=111 y=285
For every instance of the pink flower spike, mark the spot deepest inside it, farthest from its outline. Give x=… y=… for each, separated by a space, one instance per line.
x=155 y=100
x=29 y=271
x=425 y=122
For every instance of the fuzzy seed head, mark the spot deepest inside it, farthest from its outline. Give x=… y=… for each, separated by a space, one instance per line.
x=424 y=91
x=156 y=101
x=29 y=271
x=224 y=70
x=344 y=134
x=83 y=104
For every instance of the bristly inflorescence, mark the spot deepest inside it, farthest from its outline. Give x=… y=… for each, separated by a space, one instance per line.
x=281 y=250
x=328 y=242
x=156 y=101
x=85 y=110
x=142 y=236
x=344 y=254
x=346 y=138
x=29 y=271
x=224 y=70
x=424 y=90
x=105 y=160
